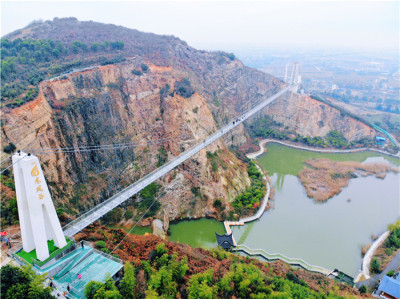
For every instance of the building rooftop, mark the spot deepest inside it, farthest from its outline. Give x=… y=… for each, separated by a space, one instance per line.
x=390 y=286
x=225 y=241
x=81 y=259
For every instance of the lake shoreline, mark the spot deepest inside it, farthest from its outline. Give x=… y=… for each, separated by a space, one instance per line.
x=264 y=142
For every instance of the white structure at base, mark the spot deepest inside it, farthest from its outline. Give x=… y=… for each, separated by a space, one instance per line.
x=37 y=215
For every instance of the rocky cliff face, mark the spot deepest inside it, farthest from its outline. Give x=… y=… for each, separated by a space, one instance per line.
x=309 y=117
x=110 y=105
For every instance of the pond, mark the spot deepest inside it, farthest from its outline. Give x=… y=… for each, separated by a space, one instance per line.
x=328 y=234
x=196 y=233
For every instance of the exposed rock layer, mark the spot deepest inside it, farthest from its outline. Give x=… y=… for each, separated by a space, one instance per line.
x=109 y=105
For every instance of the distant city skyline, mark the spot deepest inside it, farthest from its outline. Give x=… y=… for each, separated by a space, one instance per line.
x=211 y=25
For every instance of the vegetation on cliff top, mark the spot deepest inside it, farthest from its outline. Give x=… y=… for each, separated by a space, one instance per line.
x=173 y=270
x=250 y=200
x=27 y=62
x=23 y=282
x=266 y=127
x=387 y=250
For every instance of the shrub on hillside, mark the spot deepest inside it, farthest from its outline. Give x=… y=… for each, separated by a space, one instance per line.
x=183 y=88
x=375 y=266
x=10 y=148
x=144 y=67
x=100 y=244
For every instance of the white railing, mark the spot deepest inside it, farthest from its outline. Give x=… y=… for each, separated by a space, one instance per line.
x=276 y=256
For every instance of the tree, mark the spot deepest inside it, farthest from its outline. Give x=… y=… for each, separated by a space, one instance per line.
x=117 y=45
x=95 y=47
x=362 y=289
x=375 y=266
x=128 y=283
x=91 y=288
x=217 y=204
x=144 y=67
x=100 y=244
x=10 y=276
x=390 y=273
x=160 y=249
x=183 y=88
x=23 y=283
x=9 y=148
x=17 y=291
x=37 y=290
x=201 y=286
x=106 y=290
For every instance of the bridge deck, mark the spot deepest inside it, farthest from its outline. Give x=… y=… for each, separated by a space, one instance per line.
x=100 y=210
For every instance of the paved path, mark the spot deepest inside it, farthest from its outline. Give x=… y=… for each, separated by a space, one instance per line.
x=373 y=281
x=320 y=150
x=370 y=253
x=100 y=210
x=260 y=211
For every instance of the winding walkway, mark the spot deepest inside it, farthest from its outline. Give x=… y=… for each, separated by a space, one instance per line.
x=374 y=280
x=320 y=150
x=228 y=224
x=275 y=256
x=370 y=253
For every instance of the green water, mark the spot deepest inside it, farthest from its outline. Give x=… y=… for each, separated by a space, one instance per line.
x=328 y=234
x=285 y=160
x=196 y=233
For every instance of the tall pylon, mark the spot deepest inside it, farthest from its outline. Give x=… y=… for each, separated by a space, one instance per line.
x=37 y=215
x=292 y=76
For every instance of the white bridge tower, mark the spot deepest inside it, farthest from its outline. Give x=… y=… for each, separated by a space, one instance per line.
x=37 y=215
x=292 y=75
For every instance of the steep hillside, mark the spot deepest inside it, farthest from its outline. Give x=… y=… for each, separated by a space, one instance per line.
x=110 y=105
x=140 y=87
x=308 y=117
x=261 y=280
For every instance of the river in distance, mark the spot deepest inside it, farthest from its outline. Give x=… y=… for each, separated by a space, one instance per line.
x=328 y=234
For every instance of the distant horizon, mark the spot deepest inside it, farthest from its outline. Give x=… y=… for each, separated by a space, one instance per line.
x=370 y=26
x=251 y=48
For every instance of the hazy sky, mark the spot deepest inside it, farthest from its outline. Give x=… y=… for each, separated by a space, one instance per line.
x=232 y=24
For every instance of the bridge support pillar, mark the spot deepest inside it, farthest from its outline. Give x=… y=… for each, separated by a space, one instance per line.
x=37 y=215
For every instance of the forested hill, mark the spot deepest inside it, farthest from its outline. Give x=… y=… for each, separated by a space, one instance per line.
x=69 y=30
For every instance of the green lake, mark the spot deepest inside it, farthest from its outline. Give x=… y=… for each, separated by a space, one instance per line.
x=196 y=233
x=328 y=234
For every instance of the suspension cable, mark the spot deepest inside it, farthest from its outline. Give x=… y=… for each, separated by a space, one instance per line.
x=108 y=148
x=7 y=158
x=99 y=146
x=140 y=219
x=105 y=148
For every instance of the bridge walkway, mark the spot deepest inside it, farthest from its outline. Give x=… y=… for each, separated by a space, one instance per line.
x=100 y=210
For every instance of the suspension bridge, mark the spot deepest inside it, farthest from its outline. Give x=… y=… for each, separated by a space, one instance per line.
x=103 y=208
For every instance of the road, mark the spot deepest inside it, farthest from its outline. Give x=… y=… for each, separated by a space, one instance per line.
x=374 y=280
x=100 y=210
